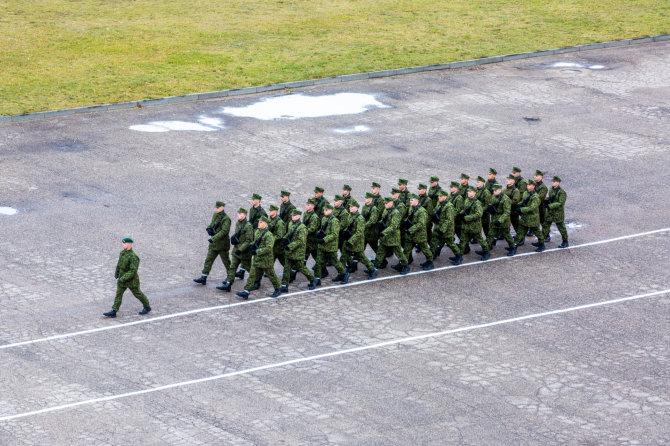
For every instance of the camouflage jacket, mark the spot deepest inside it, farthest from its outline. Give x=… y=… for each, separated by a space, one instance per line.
x=432 y=193
x=530 y=210
x=463 y=190
x=330 y=227
x=297 y=236
x=401 y=208
x=255 y=214
x=345 y=202
x=483 y=195
x=278 y=229
x=285 y=210
x=416 y=218
x=378 y=202
x=556 y=207
x=514 y=195
x=404 y=197
x=264 y=243
x=520 y=184
x=472 y=216
x=343 y=215
x=541 y=190
x=489 y=185
x=126 y=268
x=313 y=223
x=245 y=233
x=221 y=226
x=391 y=235
x=426 y=203
x=445 y=211
x=318 y=207
x=456 y=201
x=371 y=214
x=356 y=227
x=500 y=209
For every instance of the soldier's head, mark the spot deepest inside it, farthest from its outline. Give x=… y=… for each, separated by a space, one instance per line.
x=422 y=189
x=327 y=209
x=295 y=215
x=375 y=188
x=402 y=184
x=441 y=196
x=369 y=197
x=395 y=193
x=272 y=212
x=497 y=189
x=453 y=187
x=516 y=172
x=492 y=174
x=555 y=182
x=309 y=207
x=388 y=202
x=255 y=200
x=318 y=192
x=464 y=179
x=346 y=190
x=510 y=180
x=414 y=201
x=220 y=205
x=472 y=192
x=263 y=223
x=530 y=186
x=353 y=206
x=241 y=214
x=480 y=182
x=338 y=200
x=434 y=181
x=538 y=176
x=285 y=196
x=127 y=244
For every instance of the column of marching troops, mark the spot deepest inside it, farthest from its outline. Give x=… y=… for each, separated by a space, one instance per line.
x=402 y=224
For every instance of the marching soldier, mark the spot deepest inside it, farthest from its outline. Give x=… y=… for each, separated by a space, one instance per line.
x=219 y=241
x=263 y=261
x=483 y=195
x=518 y=180
x=278 y=229
x=127 y=278
x=320 y=201
x=342 y=214
x=444 y=230
x=286 y=207
x=427 y=204
x=457 y=202
x=327 y=238
x=404 y=192
x=434 y=189
x=514 y=194
x=353 y=249
x=541 y=190
x=295 y=244
x=556 y=212
x=389 y=237
x=415 y=230
x=371 y=215
x=256 y=211
x=241 y=240
x=491 y=179
x=471 y=217
x=377 y=201
x=500 y=210
x=529 y=210
x=312 y=221
x=463 y=188
x=346 y=195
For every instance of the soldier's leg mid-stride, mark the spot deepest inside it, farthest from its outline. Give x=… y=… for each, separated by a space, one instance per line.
x=128 y=278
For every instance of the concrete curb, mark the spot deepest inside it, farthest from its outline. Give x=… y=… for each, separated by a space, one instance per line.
x=331 y=80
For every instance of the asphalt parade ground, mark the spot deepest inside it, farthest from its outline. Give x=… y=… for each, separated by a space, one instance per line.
x=568 y=346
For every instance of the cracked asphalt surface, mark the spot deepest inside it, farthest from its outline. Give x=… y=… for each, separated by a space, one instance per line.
x=593 y=376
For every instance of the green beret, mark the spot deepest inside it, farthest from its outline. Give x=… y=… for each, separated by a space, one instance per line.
x=481 y=179
x=256 y=197
x=318 y=189
x=493 y=171
x=472 y=188
x=312 y=201
x=395 y=190
x=328 y=206
x=339 y=198
x=455 y=184
x=539 y=172
x=264 y=219
x=497 y=186
x=127 y=240
x=273 y=207
x=353 y=203
x=220 y=204
x=465 y=176
x=434 y=179
x=402 y=181
x=511 y=177
x=376 y=184
x=414 y=196
x=556 y=179
x=285 y=193
x=442 y=192
x=422 y=186
x=531 y=182
x=346 y=187
x=296 y=212
x=516 y=169
x=241 y=211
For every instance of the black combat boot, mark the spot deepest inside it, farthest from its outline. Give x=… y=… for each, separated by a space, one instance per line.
x=110 y=313
x=397 y=267
x=479 y=252
x=384 y=264
x=314 y=283
x=373 y=274
x=565 y=244
x=277 y=293
x=428 y=266
x=202 y=279
x=486 y=256
x=458 y=260
x=145 y=310
x=404 y=270
x=438 y=250
x=467 y=249
x=354 y=267
x=244 y=294
x=345 y=279
x=240 y=273
x=422 y=264
x=325 y=272
x=292 y=276
x=511 y=252
x=284 y=289
x=536 y=244
x=338 y=278
x=547 y=238
x=224 y=287
x=540 y=248
x=256 y=286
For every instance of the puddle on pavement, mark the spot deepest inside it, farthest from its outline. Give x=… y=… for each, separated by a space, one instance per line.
x=8 y=211
x=204 y=124
x=354 y=129
x=570 y=71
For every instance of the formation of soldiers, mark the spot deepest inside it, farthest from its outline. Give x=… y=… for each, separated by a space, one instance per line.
x=402 y=224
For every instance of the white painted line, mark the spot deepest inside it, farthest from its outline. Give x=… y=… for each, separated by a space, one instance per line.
x=298 y=293
x=332 y=354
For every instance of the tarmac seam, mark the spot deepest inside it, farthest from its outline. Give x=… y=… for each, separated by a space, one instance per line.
x=298 y=293
x=330 y=80
x=335 y=353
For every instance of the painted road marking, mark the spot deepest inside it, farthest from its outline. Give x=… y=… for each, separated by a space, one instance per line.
x=332 y=354
x=298 y=293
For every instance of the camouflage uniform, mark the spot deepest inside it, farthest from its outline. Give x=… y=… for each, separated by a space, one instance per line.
x=483 y=195
x=389 y=237
x=514 y=195
x=327 y=251
x=415 y=227
x=500 y=210
x=556 y=212
x=371 y=215
x=241 y=254
x=313 y=223
x=126 y=273
x=541 y=190
x=263 y=260
x=296 y=244
x=354 y=244
x=255 y=214
x=529 y=210
x=278 y=229
x=219 y=230
x=343 y=216
x=444 y=230
x=285 y=210
x=472 y=225
x=457 y=202
x=432 y=192
x=427 y=204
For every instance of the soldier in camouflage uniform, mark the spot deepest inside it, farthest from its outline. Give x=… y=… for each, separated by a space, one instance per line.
x=529 y=209
x=491 y=179
x=241 y=240
x=256 y=211
x=520 y=184
x=404 y=192
x=312 y=221
x=327 y=238
x=434 y=189
x=471 y=216
x=397 y=204
x=346 y=195
x=378 y=201
x=353 y=248
x=389 y=237
x=427 y=204
x=444 y=230
x=414 y=226
x=263 y=261
x=371 y=215
x=541 y=190
x=320 y=201
x=457 y=202
x=278 y=229
x=295 y=243
x=483 y=195
x=127 y=278
x=219 y=241
x=342 y=214
x=500 y=209
x=286 y=207
x=556 y=212
x=463 y=188
x=514 y=194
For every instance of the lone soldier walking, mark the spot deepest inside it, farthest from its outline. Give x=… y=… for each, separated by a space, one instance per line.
x=415 y=229
x=127 y=278
x=241 y=239
x=471 y=215
x=263 y=262
x=389 y=237
x=219 y=241
x=353 y=248
x=529 y=209
x=556 y=212
x=295 y=243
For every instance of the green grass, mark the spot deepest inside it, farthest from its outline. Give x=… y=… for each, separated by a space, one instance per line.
x=59 y=54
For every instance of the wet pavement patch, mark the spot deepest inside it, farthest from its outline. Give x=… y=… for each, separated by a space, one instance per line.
x=569 y=67
x=353 y=129
x=203 y=124
x=8 y=211
x=69 y=146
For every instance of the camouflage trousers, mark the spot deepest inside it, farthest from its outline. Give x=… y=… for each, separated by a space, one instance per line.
x=322 y=257
x=212 y=254
x=383 y=250
x=348 y=257
x=514 y=219
x=373 y=242
x=135 y=289
x=311 y=250
x=442 y=238
x=425 y=249
x=560 y=225
x=297 y=265
x=256 y=274
x=486 y=221
x=243 y=259
x=523 y=230
x=498 y=231
x=467 y=236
